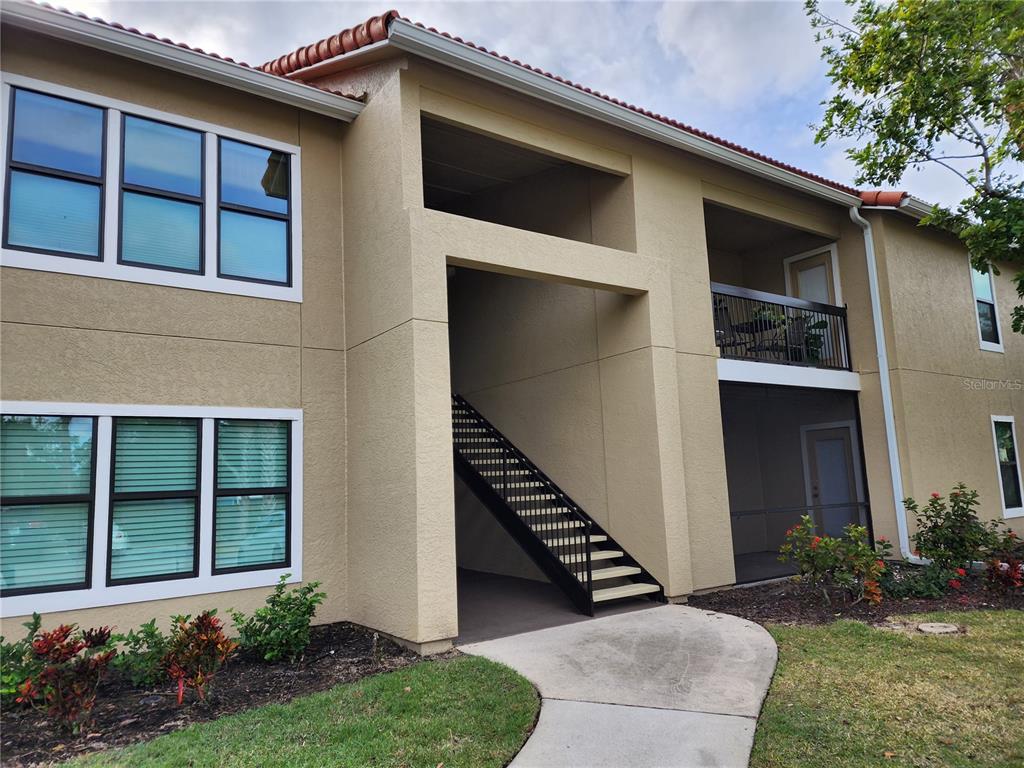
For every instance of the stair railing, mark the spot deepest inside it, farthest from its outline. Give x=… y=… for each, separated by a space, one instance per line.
x=554 y=513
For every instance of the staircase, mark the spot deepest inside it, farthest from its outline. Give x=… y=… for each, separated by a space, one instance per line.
x=570 y=548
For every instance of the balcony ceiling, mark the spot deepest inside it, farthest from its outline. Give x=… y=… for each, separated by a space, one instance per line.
x=737 y=232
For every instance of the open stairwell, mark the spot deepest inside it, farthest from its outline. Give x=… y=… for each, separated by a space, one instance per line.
x=573 y=551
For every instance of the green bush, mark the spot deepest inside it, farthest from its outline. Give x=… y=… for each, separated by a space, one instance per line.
x=907 y=581
x=141 y=658
x=846 y=565
x=18 y=662
x=949 y=533
x=279 y=631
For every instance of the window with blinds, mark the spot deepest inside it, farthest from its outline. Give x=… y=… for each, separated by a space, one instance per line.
x=251 y=521
x=47 y=486
x=154 y=509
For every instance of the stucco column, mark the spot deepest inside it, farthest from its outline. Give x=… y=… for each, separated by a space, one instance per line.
x=401 y=534
x=647 y=511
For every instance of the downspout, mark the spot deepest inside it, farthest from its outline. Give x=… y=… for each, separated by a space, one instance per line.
x=885 y=383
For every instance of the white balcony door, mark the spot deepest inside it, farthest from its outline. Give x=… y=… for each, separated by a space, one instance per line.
x=811 y=278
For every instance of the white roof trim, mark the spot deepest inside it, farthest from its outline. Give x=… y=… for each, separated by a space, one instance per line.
x=168 y=56
x=438 y=48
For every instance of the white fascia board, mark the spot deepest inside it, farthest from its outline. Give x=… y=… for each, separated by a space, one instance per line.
x=172 y=57
x=755 y=372
x=438 y=48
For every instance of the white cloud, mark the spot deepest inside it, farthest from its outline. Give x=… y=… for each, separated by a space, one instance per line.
x=739 y=55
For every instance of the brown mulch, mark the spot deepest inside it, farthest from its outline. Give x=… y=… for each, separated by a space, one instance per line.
x=789 y=602
x=338 y=653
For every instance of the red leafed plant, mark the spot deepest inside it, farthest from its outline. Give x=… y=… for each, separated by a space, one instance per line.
x=1005 y=566
x=197 y=649
x=73 y=664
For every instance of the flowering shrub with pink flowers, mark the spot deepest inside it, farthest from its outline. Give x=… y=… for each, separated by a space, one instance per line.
x=844 y=567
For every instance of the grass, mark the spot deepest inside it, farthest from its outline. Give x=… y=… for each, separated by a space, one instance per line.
x=850 y=695
x=466 y=712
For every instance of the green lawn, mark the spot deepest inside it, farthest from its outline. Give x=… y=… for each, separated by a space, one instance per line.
x=464 y=712
x=850 y=695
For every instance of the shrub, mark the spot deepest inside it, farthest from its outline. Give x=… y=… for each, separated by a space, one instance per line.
x=906 y=581
x=1005 y=566
x=196 y=650
x=18 y=662
x=73 y=662
x=950 y=533
x=848 y=564
x=141 y=658
x=280 y=630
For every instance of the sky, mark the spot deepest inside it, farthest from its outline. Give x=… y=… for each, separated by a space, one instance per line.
x=749 y=72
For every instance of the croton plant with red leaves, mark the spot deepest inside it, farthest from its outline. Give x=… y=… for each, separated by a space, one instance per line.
x=74 y=661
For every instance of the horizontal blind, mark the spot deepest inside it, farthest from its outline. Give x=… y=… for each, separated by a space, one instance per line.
x=250 y=530
x=152 y=537
x=155 y=455
x=45 y=456
x=155 y=501
x=252 y=454
x=43 y=545
x=46 y=483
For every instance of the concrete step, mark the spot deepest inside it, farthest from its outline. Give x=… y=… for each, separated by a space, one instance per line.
x=626 y=590
x=557 y=526
x=614 y=572
x=542 y=511
x=597 y=554
x=575 y=540
x=531 y=497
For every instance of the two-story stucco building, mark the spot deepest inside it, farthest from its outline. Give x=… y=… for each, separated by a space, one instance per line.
x=237 y=304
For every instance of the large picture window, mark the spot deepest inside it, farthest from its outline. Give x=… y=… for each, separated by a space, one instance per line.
x=109 y=504
x=251 y=517
x=100 y=187
x=1008 y=462
x=47 y=481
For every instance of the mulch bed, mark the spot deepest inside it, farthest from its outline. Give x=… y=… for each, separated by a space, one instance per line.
x=788 y=602
x=338 y=653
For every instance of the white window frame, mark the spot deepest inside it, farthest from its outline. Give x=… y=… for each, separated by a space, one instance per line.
x=988 y=346
x=1012 y=511
x=107 y=267
x=833 y=251
x=99 y=594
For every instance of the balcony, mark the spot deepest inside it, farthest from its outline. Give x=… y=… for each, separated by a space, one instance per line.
x=769 y=328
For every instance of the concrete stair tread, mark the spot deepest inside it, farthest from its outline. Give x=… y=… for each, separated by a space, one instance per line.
x=557 y=526
x=567 y=542
x=626 y=590
x=538 y=511
x=597 y=554
x=614 y=572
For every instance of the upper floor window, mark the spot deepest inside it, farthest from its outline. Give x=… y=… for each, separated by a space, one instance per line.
x=985 y=301
x=103 y=188
x=1009 y=465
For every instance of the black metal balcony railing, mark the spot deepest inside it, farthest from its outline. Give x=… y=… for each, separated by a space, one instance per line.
x=766 y=327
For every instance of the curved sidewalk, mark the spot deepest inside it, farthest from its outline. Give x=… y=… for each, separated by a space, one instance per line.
x=670 y=686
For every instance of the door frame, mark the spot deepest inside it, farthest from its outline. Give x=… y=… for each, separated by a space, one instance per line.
x=858 y=472
x=833 y=251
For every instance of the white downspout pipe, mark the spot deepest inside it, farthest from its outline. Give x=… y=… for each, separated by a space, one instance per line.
x=885 y=382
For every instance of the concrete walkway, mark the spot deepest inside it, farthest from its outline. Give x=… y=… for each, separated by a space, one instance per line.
x=667 y=687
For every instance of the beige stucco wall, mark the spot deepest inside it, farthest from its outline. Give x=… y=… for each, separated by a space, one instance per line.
x=947 y=387
x=75 y=339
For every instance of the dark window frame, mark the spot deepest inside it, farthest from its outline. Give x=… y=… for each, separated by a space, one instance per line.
x=140 y=189
x=54 y=173
x=54 y=499
x=285 y=490
x=236 y=208
x=116 y=496
x=1000 y=464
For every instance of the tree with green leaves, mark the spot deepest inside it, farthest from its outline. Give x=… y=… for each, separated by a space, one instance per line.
x=936 y=82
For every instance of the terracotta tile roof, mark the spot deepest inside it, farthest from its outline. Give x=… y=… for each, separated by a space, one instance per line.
x=887 y=199
x=377 y=28
x=168 y=41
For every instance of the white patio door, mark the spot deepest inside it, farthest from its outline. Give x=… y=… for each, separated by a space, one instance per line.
x=832 y=477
